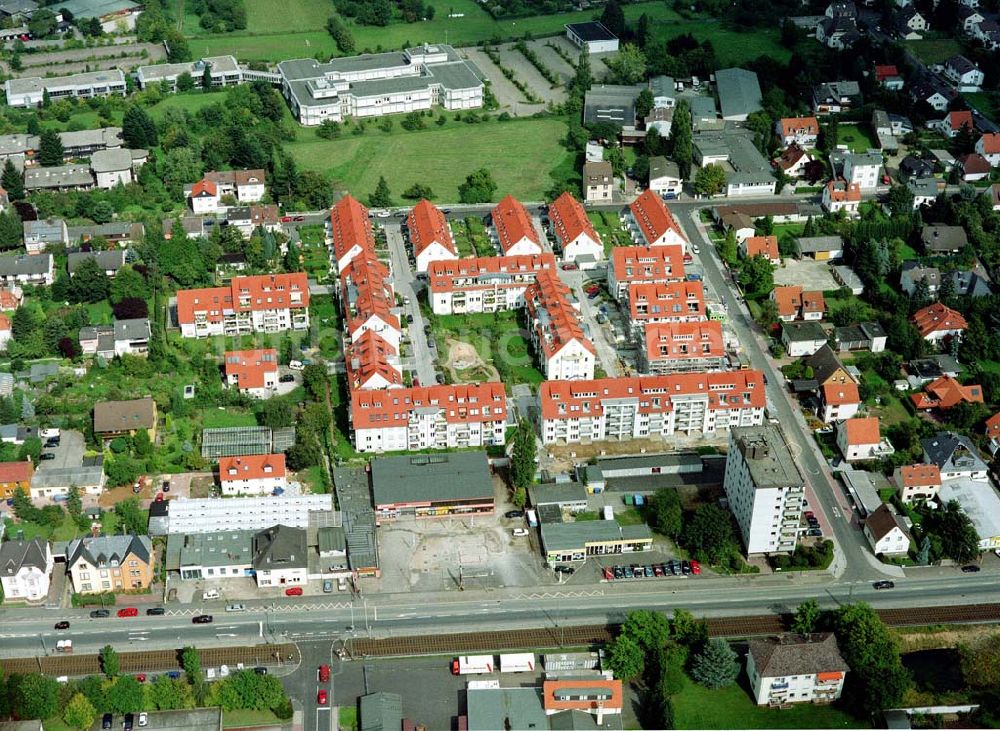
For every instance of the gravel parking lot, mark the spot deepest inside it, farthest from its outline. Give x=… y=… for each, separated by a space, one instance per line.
x=811 y=275
x=83 y=59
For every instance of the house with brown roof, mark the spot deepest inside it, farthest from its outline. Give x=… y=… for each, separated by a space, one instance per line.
x=643 y=264
x=840 y=195
x=678 y=347
x=793 y=160
x=974 y=167
x=372 y=362
x=557 y=331
x=945 y=393
x=203 y=197
x=989 y=147
x=796 y=669
x=350 y=231
x=992 y=427
x=576 y=238
x=917 y=482
x=953 y=123
x=801 y=131
x=795 y=304
x=938 y=322
x=827 y=367
x=124 y=418
x=886 y=532
x=860 y=439
x=246 y=186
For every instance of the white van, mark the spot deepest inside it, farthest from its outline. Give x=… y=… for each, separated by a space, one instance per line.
x=210 y=594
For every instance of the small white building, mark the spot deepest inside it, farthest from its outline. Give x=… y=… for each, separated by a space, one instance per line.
x=860 y=439
x=863 y=169
x=917 y=482
x=204 y=197
x=255 y=474
x=989 y=147
x=665 y=178
x=802 y=338
x=280 y=557
x=573 y=231
x=963 y=74
x=116 y=166
x=886 y=533
x=25 y=568
x=796 y=669
x=594 y=36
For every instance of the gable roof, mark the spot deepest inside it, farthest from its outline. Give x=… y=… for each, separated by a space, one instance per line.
x=790 y=157
x=788 y=299
x=958 y=119
x=952 y=453
x=350 y=227
x=973 y=163
x=885 y=72
x=945 y=393
x=280 y=547
x=570 y=221
x=120 y=416
x=204 y=189
x=919 y=475
x=937 y=317
x=993 y=425
x=251 y=467
x=19 y=471
x=882 y=521
x=839 y=394
x=513 y=224
x=15 y=555
x=251 y=366
x=580 y=694
x=653 y=217
x=799 y=125
x=426 y=225
x=766 y=246
x=105 y=549
x=797 y=655
x=840 y=191
x=990 y=143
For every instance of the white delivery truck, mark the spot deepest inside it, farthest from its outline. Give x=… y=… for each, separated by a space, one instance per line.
x=473 y=665
x=518 y=662
x=609 y=512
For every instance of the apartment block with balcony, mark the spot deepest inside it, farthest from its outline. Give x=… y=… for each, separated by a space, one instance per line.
x=796 y=669
x=270 y=303
x=483 y=284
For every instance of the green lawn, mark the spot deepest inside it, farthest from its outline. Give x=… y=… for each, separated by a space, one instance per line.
x=732 y=707
x=100 y=312
x=526 y=157
x=236 y=719
x=263 y=16
x=731 y=47
x=907 y=252
x=220 y=418
x=348 y=718
x=987 y=102
x=856 y=137
x=934 y=50
x=191 y=101
x=609 y=227
x=65 y=531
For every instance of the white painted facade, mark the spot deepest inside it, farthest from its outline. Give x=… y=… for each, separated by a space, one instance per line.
x=28 y=583
x=433 y=252
x=430 y=430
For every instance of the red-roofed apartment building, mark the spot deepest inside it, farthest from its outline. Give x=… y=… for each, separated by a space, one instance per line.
x=801 y=131
x=989 y=147
x=766 y=246
x=599 y=697
x=860 y=439
x=680 y=347
x=651 y=223
x=650 y=406
x=14 y=475
x=938 y=322
x=253 y=372
x=430 y=235
x=671 y=302
x=483 y=284
x=840 y=401
x=945 y=393
x=795 y=304
x=372 y=363
x=367 y=298
x=556 y=333
x=350 y=231
x=513 y=228
x=646 y=264
x=264 y=303
x=429 y=417
x=917 y=482
x=253 y=474
x=573 y=230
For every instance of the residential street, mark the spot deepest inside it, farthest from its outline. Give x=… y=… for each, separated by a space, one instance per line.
x=403 y=280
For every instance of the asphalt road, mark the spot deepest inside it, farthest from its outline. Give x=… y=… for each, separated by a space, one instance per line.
x=405 y=283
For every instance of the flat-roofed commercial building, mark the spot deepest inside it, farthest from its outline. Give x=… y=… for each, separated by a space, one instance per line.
x=432 y=486
x=30 y=90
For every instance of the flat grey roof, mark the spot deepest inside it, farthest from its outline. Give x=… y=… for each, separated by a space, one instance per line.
x=36 y=84
x=222 y=548
x=490 y=709
x=611 y=464
x=979 y=501
x=812 y=244
x=739 y=92
x=113 y=259
x=569 y=536
x=768 y=458
x=81 y=476
x=107 y=136
x=592 y=31
x=219 y=64
x=57 y=177
x=451 y=476
x=97 y=8
x=355 y=503
x=17 y=144
x=570 y=492
x=111 y=161
x=800 y=332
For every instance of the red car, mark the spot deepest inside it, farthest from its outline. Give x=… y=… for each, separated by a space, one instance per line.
x=294 y=591
x=609 y=575
x=286 y=219
x=159 y=497
x=324 y=673
x=695 y=568
x=128 y=612
x=570 y=266
x=141 y=677
x=321 y=697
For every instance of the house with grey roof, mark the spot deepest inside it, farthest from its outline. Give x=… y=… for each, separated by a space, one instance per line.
x=796 y=669
x=968 y=283
x=116 y=232
x=748 y=172
x=869 y=336
x=941 y=239
x=108 y=262
x=426 y=486
x=211 y=555
x=116 y=166
x=280 y=556
x=611 y=103
x=63 y=177
x=912 y=274
x=222 y=70
x=739 y=93
x=833 y=97
x=925 y=191
x=955 y=455
x=43 y=233
x=17 y=269
x=25 y=568
x=820 y=248
x=18 y=11
x=110 y=563
x=85 y=142
x=123 y=337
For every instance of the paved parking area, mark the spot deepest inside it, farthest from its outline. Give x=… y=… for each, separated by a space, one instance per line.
x=812 y=275
x=69 y=453
x=552 y=59
x=510 y=98
x=530 y=76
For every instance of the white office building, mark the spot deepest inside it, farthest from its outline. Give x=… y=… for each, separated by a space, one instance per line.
x=29 y=91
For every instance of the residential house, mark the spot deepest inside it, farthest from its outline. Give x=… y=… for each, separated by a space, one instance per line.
x=945 y=393
x=665 y=178
x=955 y=456
x=917 y=482
x=203 y=197
x=840 y=195
x=262 y=303
x=795 y=304
x=513 y=228
x=678 y=347
x=974 y=167
x=246 y=186
x=801 y=131
x=484 y=284
x=835 y=97
x=280 y=556
x=659 y=118
x=14 y=476
x=911 y=167
x=372 y=362
x=651 y=223
x=643 y=264
x=766 y=246
x=934 y=92
x=888 y=76
x=802 y=338
x=987 y=32
x=828 y=368
x=599 y=697
x=246 y=219
x=429 y=234
x=598 y=181
x=116 y=166
x=886 y=532
x=793 y=160
x=20 y=269
x=860 y=439
x=863 y=169
x=594 y=35
x=368 y=300
x=40 y=234
x=869 y=336
x=110 y=563
x=994 y=193
x=255 y=474
x=574 y=233
x=953 y=123
x=938 y=323
x=909 y=24
x=748 y=172
x=970 y=283
x=25 y=568
x=123 y=337
x=820 y=248
x=968 y=18
x=839 y=401
x=108 y=262
x=252 y=372
x=6 y=331
x=989 y=147
x=913 y=274
x=992 y=427
x=115 y=233
x=925 y=191
x=557 y=331
x=796 y=669
x=941 y=239
x=739 y=93
x=963 y=74
x=350 y=231
x=124 y=418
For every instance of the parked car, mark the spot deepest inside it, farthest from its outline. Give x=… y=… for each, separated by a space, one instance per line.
x=128 y=612
x=260 y=670
x=695 y=568
x=62 y=625
x=295 y=365
x=627 y=571
x=519 y=532
x=286 y=219
x=676 y=568
x=166 y=486
x=570 y=266
x=884 y=584
x=658 y=570
x=607 y=573
x=324 y=673
x=236 y=607
x=287 y=378
x=210 y=594
x=45 y=456
x=155 y=611
x=648 y=572
x=637 y=572
x=618 y=572
x=568 y=570
x=970 y=569
x=98 y=613
x=409 y=319
x=129 y=723
x=321 y=697
x=293 y=591
x=686 y=568
x=106 y=720
x=327 y=587
x=202 y=619
x=814 y=532
x=141 y=677
x=143 y=719
x=514 y=514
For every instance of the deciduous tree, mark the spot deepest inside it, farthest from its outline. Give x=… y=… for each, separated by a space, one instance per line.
x=479 y=187
x=79 y=713
x=110 y=664
x=626 y=658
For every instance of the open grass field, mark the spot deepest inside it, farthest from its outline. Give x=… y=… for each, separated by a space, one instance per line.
x=987 y=102
x=697 y=707
x=222 y=418
x=934 y=50
x=525 y=157
x=857 y=137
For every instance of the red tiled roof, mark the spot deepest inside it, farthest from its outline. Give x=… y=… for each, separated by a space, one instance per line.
x=369 y=357
x=372 y=293
x=244 y=294
x=577 y=399
x=11 y=472
x=766 y=246
x=840 y=191
x=790 y=157
x=426 y=224
x=862 y=431
x=4 y=322
x=569 y=220
x=993 y=425
x=648 y=263
x=251 y=366
x=565 y=695
x=919 y=475
x=841 y=394
x=562 y=326
x=679 y=341
x=204 y=187
x=251 y=467
x=991 y=143
x=788 y=300
x=937 y=317
x=459 y=403
x=813 y=301
x=653 y=217
x=973 y=163
x=957 y=120
x=666 y=301
x=799 y=125
x=262 y=215
x=884 y=72
x=8 y=300
x=945 y=392
x=486 y=272
x=350 y=227
x=512 y=223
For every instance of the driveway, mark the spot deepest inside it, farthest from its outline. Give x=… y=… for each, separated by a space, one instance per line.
x=406 y=285
x=607 y=356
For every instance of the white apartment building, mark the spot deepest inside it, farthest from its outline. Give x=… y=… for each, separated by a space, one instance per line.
x=643 y=265
x=372 y=85
x=796 y=669
x=483 y=284
x=264 y=303
x=29 y=91
x=429 y=417
x=649 y=406
x=556 y=332
x=253 y=474
x=25 y=568
x=765 y=489
x=863 y=169
x=209 y=515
